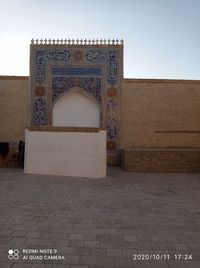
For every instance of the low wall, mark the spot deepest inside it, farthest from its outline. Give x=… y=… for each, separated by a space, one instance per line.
x=161 y=160
x=80 y=154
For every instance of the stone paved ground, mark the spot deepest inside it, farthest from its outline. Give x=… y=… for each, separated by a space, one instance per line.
x=101 y=222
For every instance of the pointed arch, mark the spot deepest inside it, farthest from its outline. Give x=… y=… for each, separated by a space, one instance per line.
x=77 y=89
x=76 y=108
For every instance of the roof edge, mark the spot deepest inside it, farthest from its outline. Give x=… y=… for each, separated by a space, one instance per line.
x=151 y=80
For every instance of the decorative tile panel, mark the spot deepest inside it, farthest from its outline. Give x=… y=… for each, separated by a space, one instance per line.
x=40 y=91
x=112 y=128
x=93 y=66
x=39 y=107
x=91 y=85
x=79 y=71
x=58 y=55
x=111 y=57
x=86 y=78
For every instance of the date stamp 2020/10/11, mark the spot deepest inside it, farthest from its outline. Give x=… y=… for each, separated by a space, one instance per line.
x=163 y=257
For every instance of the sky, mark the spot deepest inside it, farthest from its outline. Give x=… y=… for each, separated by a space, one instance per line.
x=161 y=37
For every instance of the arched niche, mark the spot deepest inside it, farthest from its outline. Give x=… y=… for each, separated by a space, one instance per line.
x=76 y=109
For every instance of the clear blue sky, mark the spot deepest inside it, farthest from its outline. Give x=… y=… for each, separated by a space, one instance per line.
x=161 y=37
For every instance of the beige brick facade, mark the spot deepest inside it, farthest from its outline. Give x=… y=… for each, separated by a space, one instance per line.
x=13 y=104
x=160 y=113
x=154 y=113
x=161 y=160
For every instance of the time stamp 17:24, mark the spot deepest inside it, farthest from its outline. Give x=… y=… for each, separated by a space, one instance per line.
x=157 y=257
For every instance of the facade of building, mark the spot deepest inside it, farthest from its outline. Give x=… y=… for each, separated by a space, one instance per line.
x=151 y=124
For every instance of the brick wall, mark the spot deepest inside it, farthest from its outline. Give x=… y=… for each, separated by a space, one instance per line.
x=160 y=125
x=154 y=113
x=13 y=105
x=161 y=160
x=160 y=113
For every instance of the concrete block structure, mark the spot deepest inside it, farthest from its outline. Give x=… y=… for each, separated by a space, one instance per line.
x=66 y=152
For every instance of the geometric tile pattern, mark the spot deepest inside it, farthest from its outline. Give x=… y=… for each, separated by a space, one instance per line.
x=65 y=78
x=95 y=69
x=61 y=85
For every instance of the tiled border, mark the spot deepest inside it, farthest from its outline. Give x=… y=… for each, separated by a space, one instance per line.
x=106 y=56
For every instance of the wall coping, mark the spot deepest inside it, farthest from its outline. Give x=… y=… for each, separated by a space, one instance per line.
x=13 y=77
x=126 y=80
x=151 y=80
x=64 y=129
x=76 y=42
x=161 y=149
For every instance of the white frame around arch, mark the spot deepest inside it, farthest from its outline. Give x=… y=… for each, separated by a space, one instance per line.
x=85 y=93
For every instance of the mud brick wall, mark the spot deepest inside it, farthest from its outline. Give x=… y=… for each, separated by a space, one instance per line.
x=161 y=160
x=13 y=108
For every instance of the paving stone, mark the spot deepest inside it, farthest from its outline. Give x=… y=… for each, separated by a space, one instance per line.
x=89 y=260
x=124 y=214
x=123 y=262
x=33 y=241
x=72 y=259
x=82 y=251
x=48 y=243
x=61 y=266
x=17 y=241
x=194 y=246
x=65 y=250
x=193 y=264
x=77 y=243
x=79 y=266
x=19 y=233
x=102 y=266
x=4 y=233
x=180 y=246
x=195 y=254
x=41 y=266
x=143 y=264
x=129 y=252
x=30 y=228
x=178 y=264
x=97 y=231
x=159 y=264
x=115 y=244
x=104 y=260
x=6 y=265
x=114 y=252
x=92 y=244
x=62 y=242
x=98 y=252
x=4 y=256
x=20 y=265
x=111 y=231
x=89 y=237
x=76 y=237
x=130 y=238
x=33 y=234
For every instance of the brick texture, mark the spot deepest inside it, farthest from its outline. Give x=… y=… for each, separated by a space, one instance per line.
x=13 y=104
x=161 y=160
